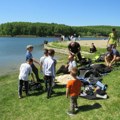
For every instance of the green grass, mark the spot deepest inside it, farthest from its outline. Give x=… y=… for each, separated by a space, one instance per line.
x=38 y=107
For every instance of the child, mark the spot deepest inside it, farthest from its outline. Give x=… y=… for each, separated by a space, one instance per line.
x=73 y=90
x=25 y=70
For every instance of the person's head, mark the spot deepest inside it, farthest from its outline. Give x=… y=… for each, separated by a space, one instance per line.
x=109 y=49
x=114 y=46
x=51 y=52
x=71 y=57
x=30 y=61
x=29 y=48
x=72 y=44
x=46 y=52
x=114 y=30
x=74 y=71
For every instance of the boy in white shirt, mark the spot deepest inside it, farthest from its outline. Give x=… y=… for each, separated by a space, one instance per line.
x=25 y=70
x=49 y=71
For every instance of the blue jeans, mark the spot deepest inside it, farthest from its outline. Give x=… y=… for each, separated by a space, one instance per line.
x=20 y=86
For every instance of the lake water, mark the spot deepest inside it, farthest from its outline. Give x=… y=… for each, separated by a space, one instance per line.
x=13 y=50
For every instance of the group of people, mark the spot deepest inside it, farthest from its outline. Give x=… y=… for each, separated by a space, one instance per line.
x=112 y=56
x=47 y=64
x=48 y=67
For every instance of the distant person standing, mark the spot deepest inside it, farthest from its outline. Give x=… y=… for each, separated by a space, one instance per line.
x=79 y=37
x=29 y=49
x=74 y=49
x=62 y=37
x=49 y=71
x=113 y=38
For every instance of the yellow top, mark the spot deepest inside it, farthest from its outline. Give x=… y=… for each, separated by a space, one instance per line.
x=112 y=38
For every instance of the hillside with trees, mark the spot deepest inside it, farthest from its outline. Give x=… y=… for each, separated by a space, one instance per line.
x=53 y=29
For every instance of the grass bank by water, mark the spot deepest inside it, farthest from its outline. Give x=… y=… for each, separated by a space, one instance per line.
x=38 y=107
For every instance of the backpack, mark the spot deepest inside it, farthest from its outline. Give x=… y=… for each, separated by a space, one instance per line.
x=101 y=68
x=100 y=58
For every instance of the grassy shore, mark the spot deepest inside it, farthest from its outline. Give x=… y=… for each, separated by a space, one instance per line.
x=38 y=107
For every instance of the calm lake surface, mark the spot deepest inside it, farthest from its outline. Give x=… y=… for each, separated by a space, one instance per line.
x=13 y=50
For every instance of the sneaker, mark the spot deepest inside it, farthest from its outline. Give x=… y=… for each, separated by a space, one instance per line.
x=70 y=113
x=101 y=96
x=20 y=97
x=76 y=108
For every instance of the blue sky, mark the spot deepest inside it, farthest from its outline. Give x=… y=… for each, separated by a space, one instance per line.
x=69 y=12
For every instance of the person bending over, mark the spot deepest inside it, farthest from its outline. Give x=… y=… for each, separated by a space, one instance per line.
x=111 y=56
x=25 y=70
x=74 y=49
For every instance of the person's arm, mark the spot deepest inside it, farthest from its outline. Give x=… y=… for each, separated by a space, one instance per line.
x=108 y=40
x=113 y=60
x=79 y=48
x=36 y=61
x=67 y=92
x=53 y=69
x=106 y=61
x=32 y=77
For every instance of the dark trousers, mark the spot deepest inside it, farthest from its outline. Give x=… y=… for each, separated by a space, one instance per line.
x=73 y=103
x=20 y=86
x=48 y=84
x=62 y=69
x=35 y=71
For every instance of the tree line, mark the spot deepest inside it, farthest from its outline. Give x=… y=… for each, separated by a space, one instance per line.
x=53 y=29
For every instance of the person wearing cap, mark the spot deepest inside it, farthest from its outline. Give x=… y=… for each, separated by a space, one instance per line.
x=25 y=70
x=73 y=89
x=112 y=56
x=29 y=49
x=74 y=49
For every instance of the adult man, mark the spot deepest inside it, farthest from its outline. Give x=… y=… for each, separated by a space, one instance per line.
x=29 y=49
x=74 y=48
x=25 y=70
x=49 y=71
x=111 y=56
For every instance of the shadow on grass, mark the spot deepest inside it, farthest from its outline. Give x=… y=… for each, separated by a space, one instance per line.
x=36 y=92
x=88 y=107
x=56 y=94
x=59 y=86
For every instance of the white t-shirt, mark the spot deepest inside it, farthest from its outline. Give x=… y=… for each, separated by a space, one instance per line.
x=49 y=66
x=71 y=65
x=25 y=70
